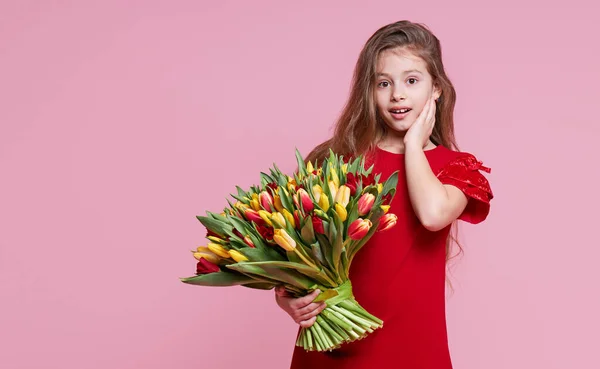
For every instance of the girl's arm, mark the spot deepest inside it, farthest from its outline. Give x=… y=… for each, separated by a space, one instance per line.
x=435 y=204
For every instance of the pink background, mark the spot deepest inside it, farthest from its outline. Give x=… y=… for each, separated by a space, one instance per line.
x=120 y=123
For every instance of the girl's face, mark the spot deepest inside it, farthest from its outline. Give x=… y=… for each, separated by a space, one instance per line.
x=402 y=88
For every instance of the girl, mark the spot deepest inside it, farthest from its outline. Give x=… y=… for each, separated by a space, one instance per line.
x=400 y=116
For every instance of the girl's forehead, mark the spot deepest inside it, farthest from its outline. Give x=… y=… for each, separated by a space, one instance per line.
x=399 y=60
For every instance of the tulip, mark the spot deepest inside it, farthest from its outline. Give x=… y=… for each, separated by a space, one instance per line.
x=237 y=256
x=333 y=189
x=279 y=219
x=217 y=240
x=344 y=168
x=307 y=203
x=249 y=242
x=218 y=249
x=334 y=175
x=317 y=192
x=265 y=232
x=324 y=202
x=289 y=217
x=284 y=240
x=321 y=214
x=309 y=167
x=359 y=228
x=205 y=267
x=277 y=203
x=343 y=196
x=207 y=255
x=341 y=212
x=266 y=200
x=351 y=183
x=265 y=215
x=365 y=203
x=253 y=216
x=254 y=203
x=387 y=221
x=385 y=208
x=379 y=187
x=318 y=225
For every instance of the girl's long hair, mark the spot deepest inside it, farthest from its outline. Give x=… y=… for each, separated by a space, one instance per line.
x=360 y=127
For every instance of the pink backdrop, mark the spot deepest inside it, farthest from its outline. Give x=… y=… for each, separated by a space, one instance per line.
x=120 y=123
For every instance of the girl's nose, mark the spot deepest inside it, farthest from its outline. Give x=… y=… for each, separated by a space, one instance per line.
x=398 y=95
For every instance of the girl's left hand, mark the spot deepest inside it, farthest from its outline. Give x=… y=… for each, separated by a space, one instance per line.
x=421 y=129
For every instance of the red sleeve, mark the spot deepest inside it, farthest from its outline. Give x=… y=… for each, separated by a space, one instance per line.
x=464 y=173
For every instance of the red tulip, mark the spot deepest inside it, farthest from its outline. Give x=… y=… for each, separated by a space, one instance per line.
x=249 y=242
x=351 y=183
x=387 y=221
x=365 y=203
x=266 y=200
x=253 y=216
x=359 y=228
x=307 y=203
x=318 y=225
x=265 y=232
x=205 y=267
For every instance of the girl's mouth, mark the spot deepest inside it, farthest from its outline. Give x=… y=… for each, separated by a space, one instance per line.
x=400 y=113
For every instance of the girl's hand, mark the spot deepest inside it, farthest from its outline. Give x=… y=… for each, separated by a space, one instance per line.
x=302 y=309
x=420 y=131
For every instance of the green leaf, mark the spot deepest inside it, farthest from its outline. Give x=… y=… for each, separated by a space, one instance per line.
x=214 y=225
x=218 y=279
x=390 y=184
x=261 y=285
x=286 y=276
x=301 y=163
x=240 y=191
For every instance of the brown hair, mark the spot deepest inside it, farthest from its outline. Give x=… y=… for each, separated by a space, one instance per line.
x=360 y=127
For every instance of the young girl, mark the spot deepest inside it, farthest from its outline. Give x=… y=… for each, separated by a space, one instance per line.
x=400 y=116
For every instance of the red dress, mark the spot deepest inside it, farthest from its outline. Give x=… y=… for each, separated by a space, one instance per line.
x=399 y=275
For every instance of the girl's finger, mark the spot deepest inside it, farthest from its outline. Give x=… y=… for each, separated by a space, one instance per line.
x=311 y=314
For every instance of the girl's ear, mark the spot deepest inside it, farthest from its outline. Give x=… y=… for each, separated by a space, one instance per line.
x=437 y=92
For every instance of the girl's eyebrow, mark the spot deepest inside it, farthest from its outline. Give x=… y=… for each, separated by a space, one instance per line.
x=405 y=72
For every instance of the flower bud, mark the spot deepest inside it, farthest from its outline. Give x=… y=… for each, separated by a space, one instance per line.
x=248 y=241
x=207 y=255
x=284 y=240
x=289 y=217
x=309 y=167
x=387 y=221
x=333 y=189
x=254 y=203
x=265 y=215
x=324 y=202
x=341 y=212
x=266 y=200
x=307 y=203
x=253 y=216
x=343 y=196
x=237 y=256
x=365 y=203
x=317 y=192
x=278 y=219
x=218 y=249
x=385 y=208
x=277 y=203
x=359 y=228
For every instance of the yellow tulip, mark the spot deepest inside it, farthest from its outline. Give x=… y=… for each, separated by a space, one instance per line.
x=317 y=192
x=341 y=212
x=208 y=256
x=254 y=204
x=289 y=217
x=343 y=195
x=279 y=219
x=385 y=208
x=284 y=240
x=265 y=215
x=333 y=189
x=277 y=203
x=345 y=168
x=237 y=256
x=379 y=187
x=218 y=249
x=324 y=202
x=334 y=176
x=309 y=168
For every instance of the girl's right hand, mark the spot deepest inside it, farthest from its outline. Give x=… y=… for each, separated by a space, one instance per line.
x=302 y=309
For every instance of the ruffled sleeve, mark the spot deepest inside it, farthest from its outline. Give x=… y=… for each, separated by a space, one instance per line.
x=464 y=173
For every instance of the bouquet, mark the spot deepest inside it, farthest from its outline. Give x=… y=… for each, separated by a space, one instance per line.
x=301 y=232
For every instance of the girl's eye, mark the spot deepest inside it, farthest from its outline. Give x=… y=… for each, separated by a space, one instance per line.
x=412 y=79
x=381 y=83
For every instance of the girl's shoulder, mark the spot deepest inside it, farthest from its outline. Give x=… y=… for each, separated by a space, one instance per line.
x=465 y=171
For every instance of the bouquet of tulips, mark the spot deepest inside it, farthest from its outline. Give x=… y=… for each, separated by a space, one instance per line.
x=301 y=232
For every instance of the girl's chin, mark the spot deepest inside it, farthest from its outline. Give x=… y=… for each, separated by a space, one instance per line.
x=400 y=127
